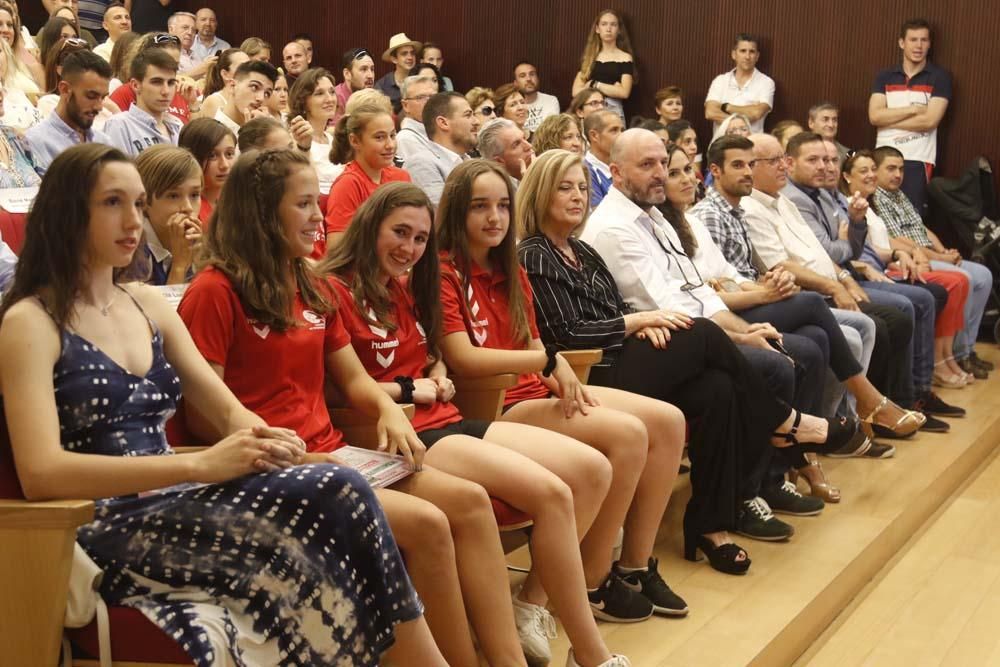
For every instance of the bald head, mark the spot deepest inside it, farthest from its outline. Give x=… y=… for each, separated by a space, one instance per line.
x=764 y=143
x=770 y=164
x=639 y=167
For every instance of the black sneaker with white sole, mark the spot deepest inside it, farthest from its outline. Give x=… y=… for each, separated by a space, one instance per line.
x=786 y=499
x=758 y=522
x=879 y=450
x=615 y=602
x=651 y=586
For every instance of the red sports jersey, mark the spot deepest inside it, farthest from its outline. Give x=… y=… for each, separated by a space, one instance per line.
x=277 y=374
x=350 y=191
x=388 y=354
x=484 y=314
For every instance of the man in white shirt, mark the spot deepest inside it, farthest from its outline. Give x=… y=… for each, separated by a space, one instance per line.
x=412 y=137
x=644 y=254
x=208 y=44
x=744 y=89
x=182 y=24
x=254 y=83
x=451 y=127
x=117 y=22
x=540 y=105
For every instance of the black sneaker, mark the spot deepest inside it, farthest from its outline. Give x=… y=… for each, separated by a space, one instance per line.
x=935 y=425
x=615 y=602
x=758 y=522
x=858 y=445
x=982 y=363
x=786 y=499
x=931 y=404
x=651 y=586
x=880 y=451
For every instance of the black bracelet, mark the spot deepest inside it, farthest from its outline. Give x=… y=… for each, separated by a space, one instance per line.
x=894 y=256
x=725 y=107
x=550 y=365
x=406 y=387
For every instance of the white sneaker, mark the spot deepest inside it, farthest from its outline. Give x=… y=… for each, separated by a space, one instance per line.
x=535 y=627
x=615 y=661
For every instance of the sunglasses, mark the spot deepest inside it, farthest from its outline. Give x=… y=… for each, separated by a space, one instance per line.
x=75 y=42
x=164 y=38
x=360 y=53
x=487 y=111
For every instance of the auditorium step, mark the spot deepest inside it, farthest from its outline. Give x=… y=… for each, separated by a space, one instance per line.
x=795 y=590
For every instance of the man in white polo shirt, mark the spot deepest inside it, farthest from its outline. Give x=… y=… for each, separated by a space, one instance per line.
x=744 y=89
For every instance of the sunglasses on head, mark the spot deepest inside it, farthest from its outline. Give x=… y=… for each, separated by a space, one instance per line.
x=164 y=38
x=360 y=53
x=75 y=42
x=487 y=111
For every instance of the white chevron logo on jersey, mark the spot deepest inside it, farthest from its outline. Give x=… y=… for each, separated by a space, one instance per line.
x=385 y=361
x=480 y=336
x=378 y=331
x=473 y=304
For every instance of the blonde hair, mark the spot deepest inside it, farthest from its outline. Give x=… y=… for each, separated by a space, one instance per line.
x=478 y=95
x=535 y=192
x=367 y=97
x=593 y=45
x=163 y=167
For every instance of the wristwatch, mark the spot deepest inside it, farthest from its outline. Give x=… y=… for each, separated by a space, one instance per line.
x=725 y=107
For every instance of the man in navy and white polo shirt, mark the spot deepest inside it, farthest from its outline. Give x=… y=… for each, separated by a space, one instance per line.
x=907 y=104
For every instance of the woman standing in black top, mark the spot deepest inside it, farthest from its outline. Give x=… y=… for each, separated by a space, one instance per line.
x=607 y=63
x=690 y=363
x=150 y=15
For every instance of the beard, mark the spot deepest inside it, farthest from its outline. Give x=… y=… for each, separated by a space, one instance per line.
x=74 y=113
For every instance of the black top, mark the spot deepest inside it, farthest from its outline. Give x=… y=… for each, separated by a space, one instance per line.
x=610 y=72
x=576 y=308
x=150 y=16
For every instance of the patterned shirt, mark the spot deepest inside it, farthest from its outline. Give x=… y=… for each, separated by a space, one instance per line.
x=900 y=218
x=727 y=225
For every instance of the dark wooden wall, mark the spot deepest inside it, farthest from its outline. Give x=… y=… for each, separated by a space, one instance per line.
x=813 y=50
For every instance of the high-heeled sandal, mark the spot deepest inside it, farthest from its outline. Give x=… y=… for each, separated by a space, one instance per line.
x=722 y=558
x=814 y=476
x=952 y=381
x=838 y=433
x=908 y=424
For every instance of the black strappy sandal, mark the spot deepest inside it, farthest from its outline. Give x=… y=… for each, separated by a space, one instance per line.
x=722 y=558
x=838 y=433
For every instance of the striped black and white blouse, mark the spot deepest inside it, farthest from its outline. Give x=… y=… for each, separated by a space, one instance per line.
x=576 y=308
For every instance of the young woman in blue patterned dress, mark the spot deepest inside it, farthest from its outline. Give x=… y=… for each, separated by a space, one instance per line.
x=238 y=553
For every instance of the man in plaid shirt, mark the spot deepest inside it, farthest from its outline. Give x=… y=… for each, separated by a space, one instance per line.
x=905 y=225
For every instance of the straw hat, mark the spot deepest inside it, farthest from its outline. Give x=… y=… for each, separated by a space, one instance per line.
x=396 y=41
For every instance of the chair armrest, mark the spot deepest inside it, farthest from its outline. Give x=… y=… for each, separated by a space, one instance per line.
x=482 y=397
x=358 y=428
x=581 y=361
x=36 y=553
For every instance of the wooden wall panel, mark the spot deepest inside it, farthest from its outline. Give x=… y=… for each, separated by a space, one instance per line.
x=813 y=50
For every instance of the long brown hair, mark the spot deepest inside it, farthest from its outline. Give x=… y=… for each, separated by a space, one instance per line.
x=354 y=260
x=675 y=216
x=593 y=46
x=453 y=211
x=245 y=240
x=303 y=88
x=213 y=79
x=53 y=258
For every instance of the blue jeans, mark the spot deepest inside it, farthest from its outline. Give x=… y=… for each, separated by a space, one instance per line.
x=923 y=312
x=980 y=284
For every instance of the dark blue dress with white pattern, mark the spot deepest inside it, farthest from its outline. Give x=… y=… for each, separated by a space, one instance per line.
x=291 y=568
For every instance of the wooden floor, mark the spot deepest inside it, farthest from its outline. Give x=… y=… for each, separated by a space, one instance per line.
x=796 y=590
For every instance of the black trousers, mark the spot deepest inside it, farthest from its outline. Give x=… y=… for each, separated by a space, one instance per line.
x=730 y=412
x=891 y=363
